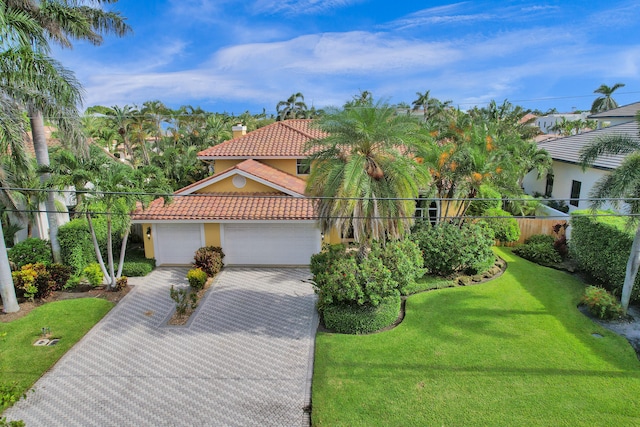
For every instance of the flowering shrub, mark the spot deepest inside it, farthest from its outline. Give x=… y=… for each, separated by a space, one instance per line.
x=601 y=303
x=197 y=278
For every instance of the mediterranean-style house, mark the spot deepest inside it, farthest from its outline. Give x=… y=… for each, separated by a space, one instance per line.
x=253 y=206
x=568 y=181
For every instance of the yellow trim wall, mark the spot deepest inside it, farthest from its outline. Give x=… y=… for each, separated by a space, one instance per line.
x=224 y=164
x=148 y=243
x=226 y=186
x=285 y=165
x=212 y=234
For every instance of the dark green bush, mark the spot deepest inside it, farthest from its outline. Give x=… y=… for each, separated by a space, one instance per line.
x=540 y=238
x=31 y=251
x=59 y=274
x=504 y=229
x=601 y=248
x=76 y=245
x=404 y=259
x=137 y=268
x=361 y=319
x=540 y=253
x=601 y=303
x=448 y=248
x=340 y=278
x=197 y=278
x=209 y=260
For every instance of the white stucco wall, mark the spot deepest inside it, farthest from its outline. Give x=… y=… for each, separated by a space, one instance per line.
x=563 y=175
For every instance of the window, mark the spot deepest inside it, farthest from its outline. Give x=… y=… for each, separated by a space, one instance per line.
x=575 y=193
x=548 y=189
x=303 y=167
x=426 y=209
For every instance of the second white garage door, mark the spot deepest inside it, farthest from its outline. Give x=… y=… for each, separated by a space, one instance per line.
x=270 y=244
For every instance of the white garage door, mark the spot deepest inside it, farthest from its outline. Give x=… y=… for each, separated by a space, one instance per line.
x=270 y=244
x=176 y=243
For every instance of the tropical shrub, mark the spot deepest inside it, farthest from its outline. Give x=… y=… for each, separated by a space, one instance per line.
x=94 y=274
x=489 y=199
x=33 y=281
x=183 y=299
x=601 y=247
x=137 y=268
x=505 y=229
x=340 y=279
x=209 y=260
x=361 y=319
x=540 y=253
x=31 y=251
x=59 y=275
x=197 y=278
x=121 y=283
x=540 y=239
x=404 y=259
x=601 y=303
x=448 y=248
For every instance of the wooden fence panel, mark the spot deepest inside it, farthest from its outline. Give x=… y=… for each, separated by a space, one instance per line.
x=531 y=226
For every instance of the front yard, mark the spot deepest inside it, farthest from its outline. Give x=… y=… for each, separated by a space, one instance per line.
x=22 y=363
x=513 y=351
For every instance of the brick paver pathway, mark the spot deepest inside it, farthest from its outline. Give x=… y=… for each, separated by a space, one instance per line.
x=244 y=359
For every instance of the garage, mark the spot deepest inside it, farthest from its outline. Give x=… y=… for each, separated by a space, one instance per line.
x=176 y=243
x=270 y=244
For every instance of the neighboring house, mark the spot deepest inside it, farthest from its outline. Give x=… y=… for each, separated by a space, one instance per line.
x=253 y=206
x=546 y=123
x=568 y=181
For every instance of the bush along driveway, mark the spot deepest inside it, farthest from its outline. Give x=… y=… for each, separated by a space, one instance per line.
x=513 y=351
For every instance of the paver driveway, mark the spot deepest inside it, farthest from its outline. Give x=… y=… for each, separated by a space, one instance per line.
x=244 y=359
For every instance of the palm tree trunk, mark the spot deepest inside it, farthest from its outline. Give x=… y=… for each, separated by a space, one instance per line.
x=112 y=274
x=42 y=158
x=632 y=272
x=96 y=247
x=123 y=248
x=7 y=289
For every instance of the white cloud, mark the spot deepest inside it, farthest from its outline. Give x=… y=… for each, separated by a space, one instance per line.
x=300 y=7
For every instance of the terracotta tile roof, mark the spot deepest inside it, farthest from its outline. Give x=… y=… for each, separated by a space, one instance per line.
x=257 y=169
x=280 y=139
x=229 y=206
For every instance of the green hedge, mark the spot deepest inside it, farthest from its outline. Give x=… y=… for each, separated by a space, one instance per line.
x=361 y=319
x=601 y=247
x=31 y=251
x=505 y=229
x=76 y=246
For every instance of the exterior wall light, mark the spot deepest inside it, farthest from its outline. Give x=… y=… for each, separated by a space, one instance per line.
x=149 y=233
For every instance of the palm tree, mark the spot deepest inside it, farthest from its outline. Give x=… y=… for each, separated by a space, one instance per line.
x=293 y=108
x=605 y=102
x=622 y=183
x=62 y=21
x=366 y=173
x=422 y=101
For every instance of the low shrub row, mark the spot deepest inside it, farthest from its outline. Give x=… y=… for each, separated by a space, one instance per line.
x=361 y=319
x=540 y=249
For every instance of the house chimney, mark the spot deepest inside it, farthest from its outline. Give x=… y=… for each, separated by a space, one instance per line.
x=239 y=130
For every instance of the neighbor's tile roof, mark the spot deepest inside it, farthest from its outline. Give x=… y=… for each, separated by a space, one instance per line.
x=229 y=206
x=629 y=111
x=568 y=149
x=280 y=139
x=259 y=170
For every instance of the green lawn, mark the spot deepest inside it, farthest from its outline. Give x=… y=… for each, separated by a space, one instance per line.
x=21 y=363
x=511 y=352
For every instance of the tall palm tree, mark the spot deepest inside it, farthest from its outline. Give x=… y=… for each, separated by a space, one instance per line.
x=622 y=183
x=366 y=173
x=605 y=102
x=422 y=101
x=293 y=108
x=63 y=21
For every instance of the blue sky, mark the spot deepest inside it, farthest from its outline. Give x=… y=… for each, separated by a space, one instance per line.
x=233 y=56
